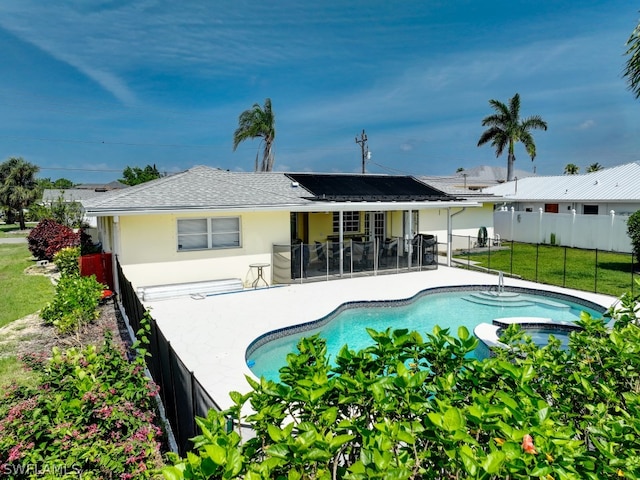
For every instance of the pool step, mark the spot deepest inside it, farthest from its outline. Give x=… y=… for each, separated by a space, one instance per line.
x=511 y=299
x=497 y=302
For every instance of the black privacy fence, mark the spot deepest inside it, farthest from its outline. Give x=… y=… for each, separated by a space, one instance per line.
x=182 y=396
x=599 y=271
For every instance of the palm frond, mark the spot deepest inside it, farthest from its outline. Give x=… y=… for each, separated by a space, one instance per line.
x=258 y=122
x=514 y=107
x=534 y=122
x=506 y=129
x=632 y=67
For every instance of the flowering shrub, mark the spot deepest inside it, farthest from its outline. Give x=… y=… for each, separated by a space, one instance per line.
x=75 y=303
x=48 y=237
x=410 y=407
x=91 y=417
x=67 y=261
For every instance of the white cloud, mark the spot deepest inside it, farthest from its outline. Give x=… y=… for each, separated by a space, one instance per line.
x=586 y=125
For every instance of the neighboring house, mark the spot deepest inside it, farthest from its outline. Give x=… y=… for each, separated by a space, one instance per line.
x=475 y=179
x=587 y=211
x=469 y=185
x=208 y=224
x=79 y=193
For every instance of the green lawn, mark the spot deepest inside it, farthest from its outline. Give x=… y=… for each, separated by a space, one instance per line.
x=20 y=294
x=566 y=267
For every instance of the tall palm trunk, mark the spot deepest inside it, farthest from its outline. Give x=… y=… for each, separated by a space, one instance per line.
x=510 y=159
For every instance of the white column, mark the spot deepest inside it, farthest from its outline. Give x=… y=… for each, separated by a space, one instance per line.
x=540 y=239
x=513 y=214
x=115 y=252
x=449 y=237
x=573 y=227
x=341 y=239
x=613 y=219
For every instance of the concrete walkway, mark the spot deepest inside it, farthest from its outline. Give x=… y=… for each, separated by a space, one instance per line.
x=211 y=335
x=13 y=240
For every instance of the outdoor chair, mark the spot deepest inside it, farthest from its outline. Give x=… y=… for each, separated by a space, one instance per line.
x=335 y=254
x=389 y=249
x=322 y=257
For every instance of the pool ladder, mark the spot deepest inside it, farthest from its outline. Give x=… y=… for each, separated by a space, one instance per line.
x=500 y=283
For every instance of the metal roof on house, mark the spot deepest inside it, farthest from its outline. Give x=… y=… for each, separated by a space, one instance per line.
x=368 y=188
x=205 y=188
x=615 y=184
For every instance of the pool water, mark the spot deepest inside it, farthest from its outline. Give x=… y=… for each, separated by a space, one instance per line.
x=540 y=336
x=448 y=310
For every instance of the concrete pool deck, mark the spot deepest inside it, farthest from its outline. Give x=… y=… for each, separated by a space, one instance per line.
x=211 y=335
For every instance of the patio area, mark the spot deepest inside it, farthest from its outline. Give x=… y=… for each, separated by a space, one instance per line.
x=211 y=334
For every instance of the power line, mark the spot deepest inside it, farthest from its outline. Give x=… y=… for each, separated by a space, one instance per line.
x=103 y=142
x=98 y=170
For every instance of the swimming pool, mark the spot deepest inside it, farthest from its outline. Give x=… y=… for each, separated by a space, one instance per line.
x=448 y=307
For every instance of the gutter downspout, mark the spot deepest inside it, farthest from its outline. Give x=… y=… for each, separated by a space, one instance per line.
x=450 y=232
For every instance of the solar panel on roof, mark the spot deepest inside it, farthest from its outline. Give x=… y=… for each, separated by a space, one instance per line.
x=367 y=187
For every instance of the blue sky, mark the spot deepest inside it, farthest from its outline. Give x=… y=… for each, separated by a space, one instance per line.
x=99 y=85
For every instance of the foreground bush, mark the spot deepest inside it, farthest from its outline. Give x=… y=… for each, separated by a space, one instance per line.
x=412 y=407
x=75 y=303
x=66 y=260
x=49 y=237
x=91 y=417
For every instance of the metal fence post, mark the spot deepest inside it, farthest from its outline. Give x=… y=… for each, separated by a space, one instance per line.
x=194 y=425
x=564 y=269
x=632 y=271
x=537 y=258
x=176 y=421
x=511 y=265
x=595 y=282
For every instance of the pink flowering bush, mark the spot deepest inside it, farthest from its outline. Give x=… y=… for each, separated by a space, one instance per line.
x=92 y=416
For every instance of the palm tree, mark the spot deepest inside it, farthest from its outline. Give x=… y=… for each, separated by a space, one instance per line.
x=19 y=188
x=594 y=167
x=571 y=169
x=258 y=122
x=632 y=67
x=506 y=129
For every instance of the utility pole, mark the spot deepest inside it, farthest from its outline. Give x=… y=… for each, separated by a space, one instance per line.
x=365 y=149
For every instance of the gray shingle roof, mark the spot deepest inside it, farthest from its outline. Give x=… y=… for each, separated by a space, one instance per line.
x=202 y=187
x=50 y=195
x=621 y=183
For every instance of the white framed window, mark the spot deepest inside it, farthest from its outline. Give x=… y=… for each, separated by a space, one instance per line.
x=208 y=233
x=350 y=222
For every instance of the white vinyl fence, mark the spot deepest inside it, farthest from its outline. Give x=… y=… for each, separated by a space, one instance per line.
x=602 y=232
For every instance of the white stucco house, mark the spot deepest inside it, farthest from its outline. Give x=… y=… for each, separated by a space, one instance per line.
x=207 y=224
